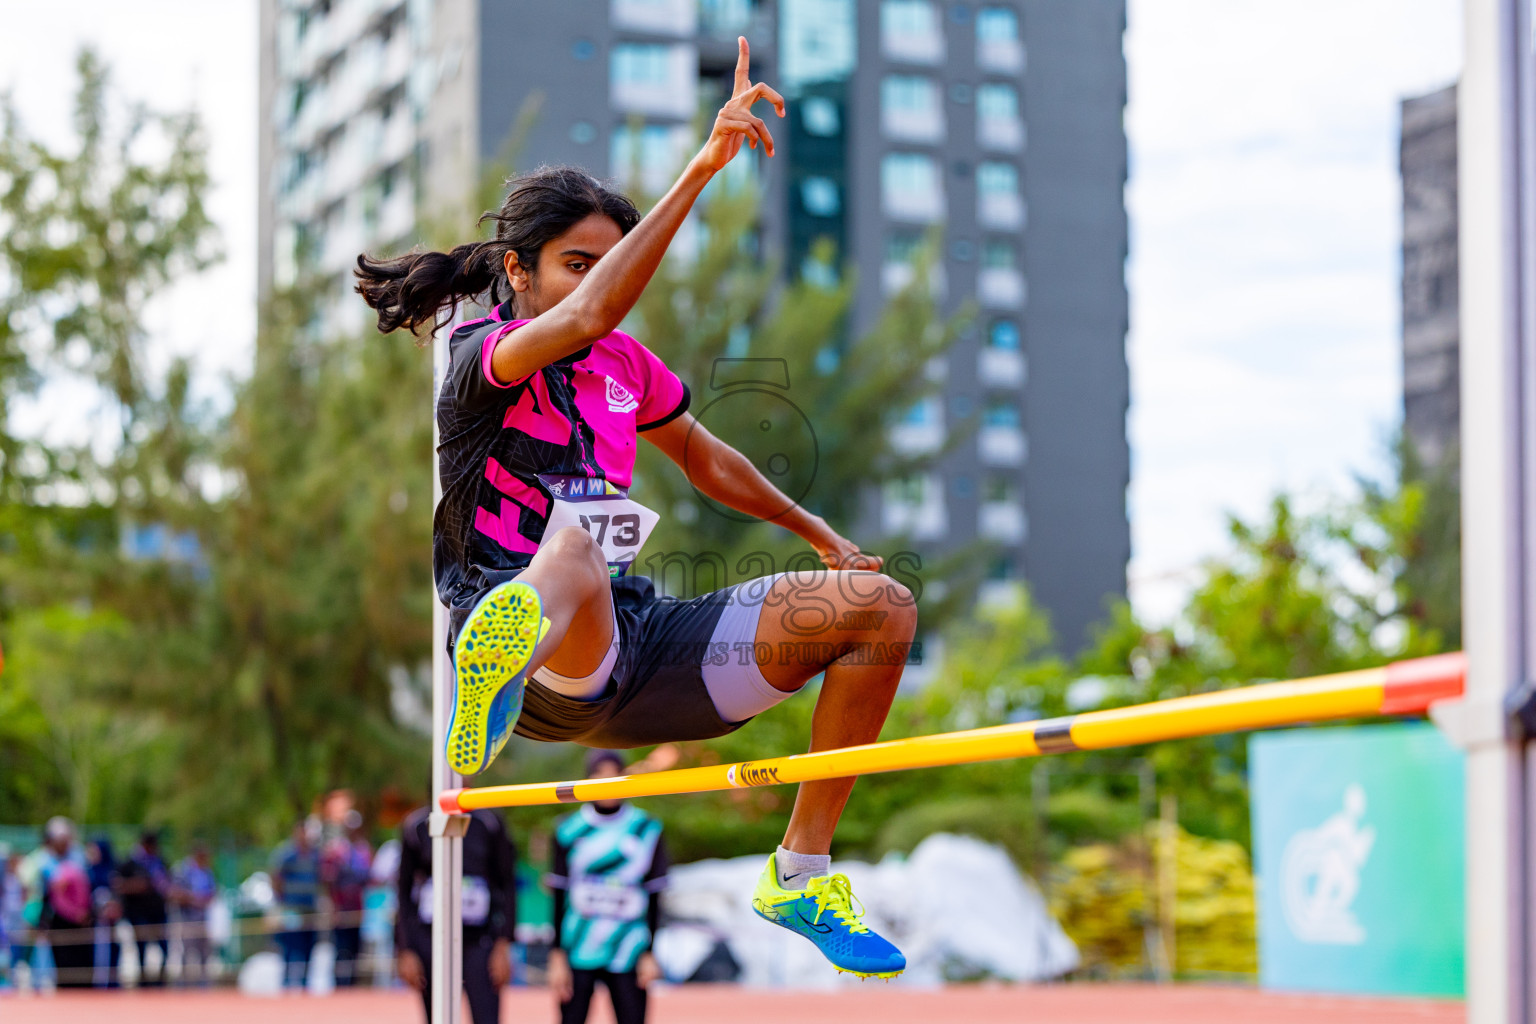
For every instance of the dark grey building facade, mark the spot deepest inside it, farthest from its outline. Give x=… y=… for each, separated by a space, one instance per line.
x=994 y=129
x=1431 y=307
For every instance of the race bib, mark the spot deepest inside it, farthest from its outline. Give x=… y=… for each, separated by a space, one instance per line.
x=619 y=525
x=595 y=898
x=474 y=901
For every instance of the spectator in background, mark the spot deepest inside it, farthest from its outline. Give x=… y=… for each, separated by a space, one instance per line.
x=610 y=866
x=192 y=889
x=143 y=885
x=344 y=866
x=489 y=902
x=296 y=882
x=101 y=872
x=64 y=910
x=12 y=923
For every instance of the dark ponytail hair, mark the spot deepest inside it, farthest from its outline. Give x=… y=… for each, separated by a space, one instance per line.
x=415 y=289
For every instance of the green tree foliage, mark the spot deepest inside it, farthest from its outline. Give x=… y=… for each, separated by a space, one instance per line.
x=88 y=236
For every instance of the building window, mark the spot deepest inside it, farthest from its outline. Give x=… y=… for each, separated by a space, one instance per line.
x=1001 y=413
x=997 y=25
x=998 y=254
x=818 y=40
x=1000 y=488
x=997 y=102
x=654 y=78
x=995 y=178
x=655 y=151
x=910 y=188
x=1004 y=334
x=640 y=64
x=998 y=47
x=910 y=31
x=820 y=117
x=725 y=17
x=820 y=197
x=910 y=108
x=999 y=205
x=998 y=125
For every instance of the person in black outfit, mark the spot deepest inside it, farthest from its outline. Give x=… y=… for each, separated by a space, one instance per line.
x=142 y=885
x=490 y=911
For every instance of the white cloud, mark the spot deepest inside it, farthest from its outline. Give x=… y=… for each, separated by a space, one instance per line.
x=1265 y=214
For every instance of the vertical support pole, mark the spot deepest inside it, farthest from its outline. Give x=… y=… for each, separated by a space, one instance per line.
x=1159 y=964
x=1495 y=137
x=447 y=830
x=1168 y=880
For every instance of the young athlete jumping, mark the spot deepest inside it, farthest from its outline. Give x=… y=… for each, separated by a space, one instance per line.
x=538 y=419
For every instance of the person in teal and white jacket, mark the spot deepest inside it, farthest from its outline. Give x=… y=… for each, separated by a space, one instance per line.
x=610 y=866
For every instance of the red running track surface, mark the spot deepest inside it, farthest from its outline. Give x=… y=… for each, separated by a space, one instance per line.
x=710 y=1004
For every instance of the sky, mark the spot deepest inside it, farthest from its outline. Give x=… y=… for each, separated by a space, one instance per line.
x=1264 y=272
x=1264 y=207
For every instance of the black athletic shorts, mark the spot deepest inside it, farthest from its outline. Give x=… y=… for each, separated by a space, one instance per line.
x=656 y=693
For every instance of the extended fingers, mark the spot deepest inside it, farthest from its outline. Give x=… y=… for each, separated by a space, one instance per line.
x=743 y=63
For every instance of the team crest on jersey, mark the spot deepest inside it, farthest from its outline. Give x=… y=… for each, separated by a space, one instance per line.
x=619 y=398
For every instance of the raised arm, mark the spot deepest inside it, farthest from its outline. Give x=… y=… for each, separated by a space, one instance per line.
x=724 y=474
x=613 y=283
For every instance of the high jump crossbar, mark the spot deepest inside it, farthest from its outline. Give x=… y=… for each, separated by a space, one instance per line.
x=1401 y=688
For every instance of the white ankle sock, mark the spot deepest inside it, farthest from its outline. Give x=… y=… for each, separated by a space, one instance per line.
x=796 y=869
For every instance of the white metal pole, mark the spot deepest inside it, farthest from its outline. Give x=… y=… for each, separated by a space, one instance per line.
x=1491 y=123
x=447 y=830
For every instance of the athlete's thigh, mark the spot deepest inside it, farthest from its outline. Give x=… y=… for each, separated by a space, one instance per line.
x=571 y=577
x=811 y=618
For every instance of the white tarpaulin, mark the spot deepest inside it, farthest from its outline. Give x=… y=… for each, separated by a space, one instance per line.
x=957 y=907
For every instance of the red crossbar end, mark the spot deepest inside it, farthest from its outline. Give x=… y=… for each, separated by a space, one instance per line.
x=1412 y=686
x=448 y=800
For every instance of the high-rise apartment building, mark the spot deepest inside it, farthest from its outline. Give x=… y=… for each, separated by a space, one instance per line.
x=1431 y=288
x=993 y=128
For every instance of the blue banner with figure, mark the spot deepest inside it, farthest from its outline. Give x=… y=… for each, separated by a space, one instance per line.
x=1359 y=851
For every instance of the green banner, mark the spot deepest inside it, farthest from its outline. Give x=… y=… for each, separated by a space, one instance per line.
x=1359 y=849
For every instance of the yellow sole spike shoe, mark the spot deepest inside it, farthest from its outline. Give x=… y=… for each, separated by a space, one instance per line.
x=823 y=912
x=489 y=658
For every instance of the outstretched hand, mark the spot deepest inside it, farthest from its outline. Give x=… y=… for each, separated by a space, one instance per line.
x=736 y=123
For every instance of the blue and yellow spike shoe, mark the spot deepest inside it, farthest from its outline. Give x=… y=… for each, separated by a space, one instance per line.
x=489 y=659
x=824 y=913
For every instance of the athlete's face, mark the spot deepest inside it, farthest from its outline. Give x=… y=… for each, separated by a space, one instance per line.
x=563 y=262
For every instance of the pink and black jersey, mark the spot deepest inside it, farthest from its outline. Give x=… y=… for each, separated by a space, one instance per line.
x=499 y=443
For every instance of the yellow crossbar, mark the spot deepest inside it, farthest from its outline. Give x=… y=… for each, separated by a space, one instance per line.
x=1405 y=687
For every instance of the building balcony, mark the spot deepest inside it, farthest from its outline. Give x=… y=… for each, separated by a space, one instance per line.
x=918 y=206
x=917 y=438
x=1002 y=522
x=1000 y=367
x=895 y=276
x=1001 y=288
x=1004 y=211
x=1001 y=446
x=913 y=47
x=913 y=126
x=1005 y=134
x=1000 y=56
x=678 y=18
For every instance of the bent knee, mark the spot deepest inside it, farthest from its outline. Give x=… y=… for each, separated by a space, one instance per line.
x=881 y=603
x=576 y=548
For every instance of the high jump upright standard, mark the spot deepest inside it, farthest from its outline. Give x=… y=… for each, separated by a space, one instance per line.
x=1496 y=153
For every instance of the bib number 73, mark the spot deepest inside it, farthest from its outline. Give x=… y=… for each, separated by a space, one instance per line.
x=626 y=528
